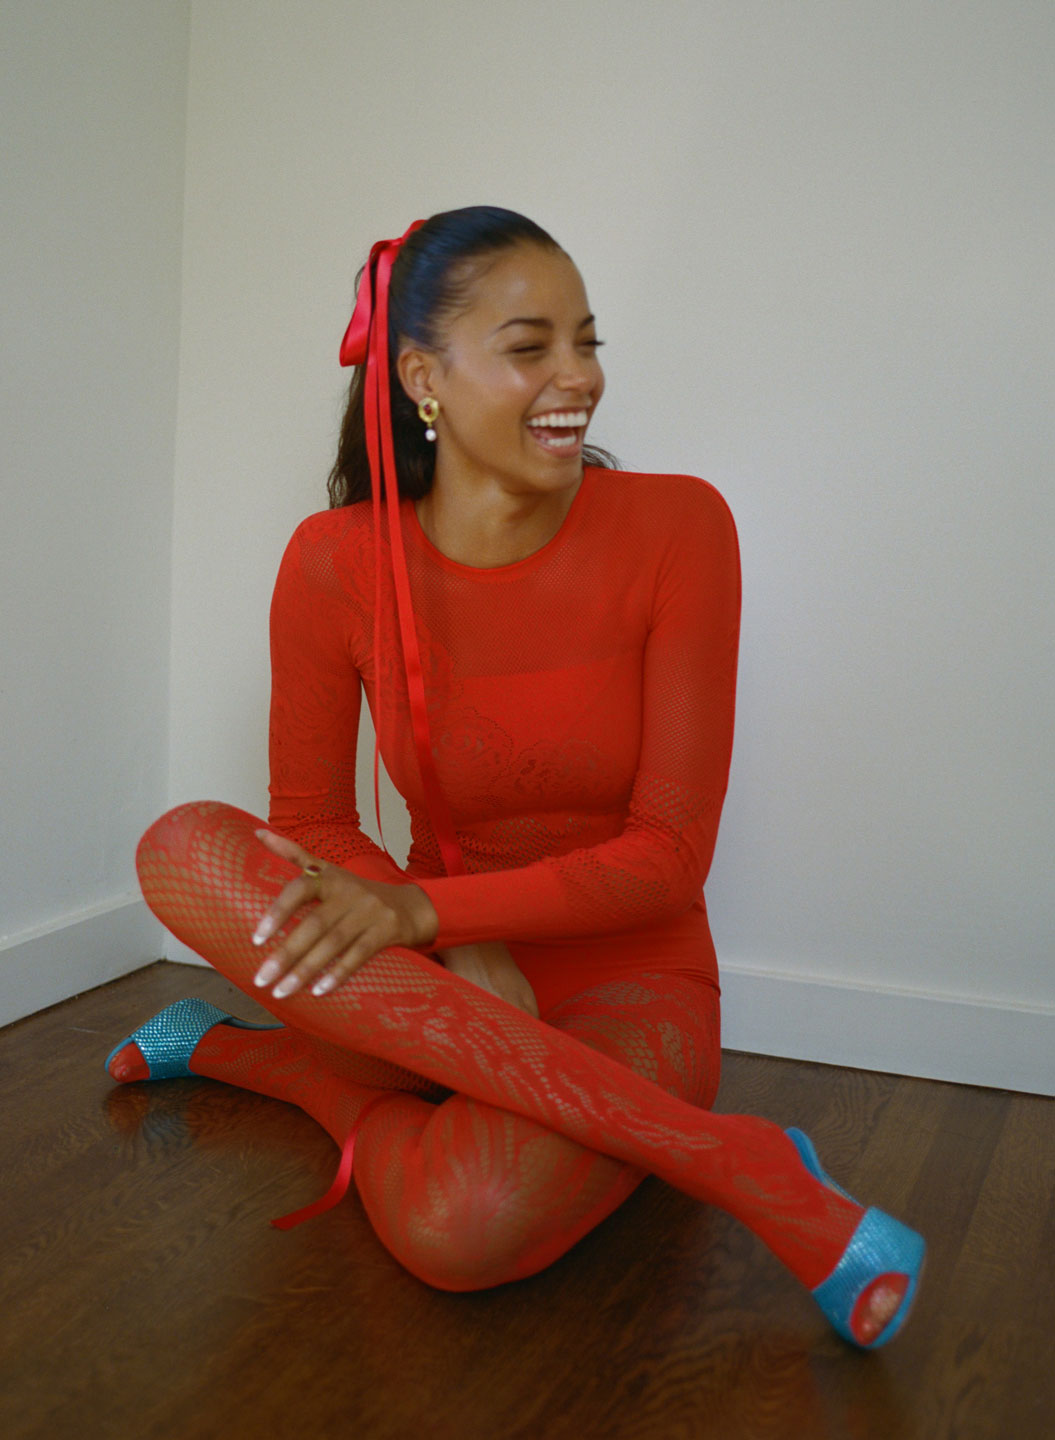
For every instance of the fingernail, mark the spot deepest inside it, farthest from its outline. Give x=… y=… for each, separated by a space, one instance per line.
x=321 y=986
x=267 y=972
x=264 y=930
x=286 y=987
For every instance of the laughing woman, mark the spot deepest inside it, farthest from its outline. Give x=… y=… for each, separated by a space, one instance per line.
x=505 y=1035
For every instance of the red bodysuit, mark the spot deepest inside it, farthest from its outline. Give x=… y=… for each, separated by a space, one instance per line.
x=581 y=708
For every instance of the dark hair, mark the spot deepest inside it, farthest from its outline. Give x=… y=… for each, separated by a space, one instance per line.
x=430 y=280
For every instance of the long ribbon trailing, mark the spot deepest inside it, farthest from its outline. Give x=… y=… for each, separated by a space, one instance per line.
x=366 y=342
x=337 y=1191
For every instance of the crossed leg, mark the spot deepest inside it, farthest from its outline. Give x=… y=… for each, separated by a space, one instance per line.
x=465 y=1194
x=208 y=878
x=468 y=1195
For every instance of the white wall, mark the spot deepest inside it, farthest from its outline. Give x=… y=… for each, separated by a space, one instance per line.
x=93 y=104
x=817 y=238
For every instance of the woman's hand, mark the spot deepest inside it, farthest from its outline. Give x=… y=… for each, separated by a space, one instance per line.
x=353 y=920
x=491 y=966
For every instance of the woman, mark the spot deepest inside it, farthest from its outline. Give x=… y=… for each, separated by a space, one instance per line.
x=549 y=650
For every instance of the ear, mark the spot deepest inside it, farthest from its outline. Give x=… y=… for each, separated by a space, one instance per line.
x=416 y=368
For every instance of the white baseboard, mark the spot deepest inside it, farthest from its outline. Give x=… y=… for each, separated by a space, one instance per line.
x=182 y=954
x=51 y=962
x=936 y=1037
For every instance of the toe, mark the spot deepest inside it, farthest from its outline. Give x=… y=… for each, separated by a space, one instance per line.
x=876 y=1306
x=128 y=1065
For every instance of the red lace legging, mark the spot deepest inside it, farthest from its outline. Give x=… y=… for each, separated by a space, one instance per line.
x=552 y=1124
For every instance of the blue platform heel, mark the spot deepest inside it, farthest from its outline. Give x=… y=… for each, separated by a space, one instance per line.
x=879 y=1246
x=168 y=1039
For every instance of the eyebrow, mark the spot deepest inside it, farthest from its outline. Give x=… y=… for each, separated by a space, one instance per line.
x=539 y=323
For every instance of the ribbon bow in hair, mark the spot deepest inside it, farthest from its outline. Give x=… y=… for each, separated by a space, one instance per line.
x=366 y=343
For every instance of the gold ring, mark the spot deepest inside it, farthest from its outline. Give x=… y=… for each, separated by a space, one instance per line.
x=314 y=873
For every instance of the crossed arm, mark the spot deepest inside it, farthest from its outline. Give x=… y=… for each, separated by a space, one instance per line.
x=662 y=854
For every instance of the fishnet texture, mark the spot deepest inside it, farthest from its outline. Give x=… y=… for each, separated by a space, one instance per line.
x=580 y=701
x=208 y=878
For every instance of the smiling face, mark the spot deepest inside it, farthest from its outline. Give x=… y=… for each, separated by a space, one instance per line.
x=516 y=375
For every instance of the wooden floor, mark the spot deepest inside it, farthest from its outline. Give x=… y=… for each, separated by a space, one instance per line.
x=144 y=1295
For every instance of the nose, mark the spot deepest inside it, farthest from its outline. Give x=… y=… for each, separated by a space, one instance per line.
x=576 y=371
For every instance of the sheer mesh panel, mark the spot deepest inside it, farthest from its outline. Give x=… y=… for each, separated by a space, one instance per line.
x=581 y=704
x=208 y=878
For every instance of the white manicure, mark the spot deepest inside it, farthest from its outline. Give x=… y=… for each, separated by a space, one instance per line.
x=267 y=972
x=264 y=930
x=321 y=986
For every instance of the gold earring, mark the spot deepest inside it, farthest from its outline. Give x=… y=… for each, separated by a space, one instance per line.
x=428 y=409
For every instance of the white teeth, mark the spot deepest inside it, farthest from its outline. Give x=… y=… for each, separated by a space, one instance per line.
x=561 y=420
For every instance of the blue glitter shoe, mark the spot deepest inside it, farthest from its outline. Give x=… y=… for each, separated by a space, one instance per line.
x=880 y=1246
x=166 y=1042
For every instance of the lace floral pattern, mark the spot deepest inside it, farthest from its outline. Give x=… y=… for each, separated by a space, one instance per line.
x=580 y=702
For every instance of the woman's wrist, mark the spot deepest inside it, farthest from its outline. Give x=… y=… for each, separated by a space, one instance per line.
x=422 y=915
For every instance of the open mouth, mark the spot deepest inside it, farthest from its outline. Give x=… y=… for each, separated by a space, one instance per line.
x=561 y=432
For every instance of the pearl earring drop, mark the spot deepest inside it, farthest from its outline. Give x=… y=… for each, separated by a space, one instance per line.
x=428 y=409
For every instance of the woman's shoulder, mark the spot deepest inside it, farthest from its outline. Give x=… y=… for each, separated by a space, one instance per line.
x=663 y=504
x=331 y=550
x=331 y=525
x=346 y=529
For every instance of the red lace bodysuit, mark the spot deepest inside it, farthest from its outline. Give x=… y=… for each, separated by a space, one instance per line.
x=581 y=708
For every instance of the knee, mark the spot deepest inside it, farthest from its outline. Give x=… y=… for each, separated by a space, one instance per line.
x=472 y=1219
x=180 y=830
x=213 y=841
x=471 y=1239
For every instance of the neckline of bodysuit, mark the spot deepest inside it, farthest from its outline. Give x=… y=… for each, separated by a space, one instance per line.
x=571 y=521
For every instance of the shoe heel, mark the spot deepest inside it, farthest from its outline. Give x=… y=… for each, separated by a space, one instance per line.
x=809 y=1157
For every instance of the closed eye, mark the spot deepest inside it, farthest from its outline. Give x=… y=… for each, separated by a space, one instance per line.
x=537 y=349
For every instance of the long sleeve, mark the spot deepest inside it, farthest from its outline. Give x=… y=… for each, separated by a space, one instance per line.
x=316 y=692
x=654 y=869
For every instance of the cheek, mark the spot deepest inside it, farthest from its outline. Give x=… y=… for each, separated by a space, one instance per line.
x=596 y=390
x=492 y=418
x=497 y=390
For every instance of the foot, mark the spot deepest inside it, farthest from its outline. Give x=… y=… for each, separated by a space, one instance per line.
x=162 y=1048
x=876 y=1306
x=127 y=1064
x=865 y=1303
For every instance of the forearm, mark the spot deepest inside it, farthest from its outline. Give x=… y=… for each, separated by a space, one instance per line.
x=640 y=878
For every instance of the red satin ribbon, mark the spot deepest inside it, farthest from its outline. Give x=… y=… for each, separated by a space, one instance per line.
x=356 y=343
x=342 y=1179
x=366 y=342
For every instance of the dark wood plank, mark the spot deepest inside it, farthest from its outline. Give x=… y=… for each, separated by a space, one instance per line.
x=143 y=1293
